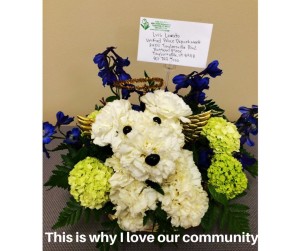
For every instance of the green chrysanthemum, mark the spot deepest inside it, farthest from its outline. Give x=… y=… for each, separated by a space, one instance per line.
x=89 y=181
x=222 y=135
x=227 y=176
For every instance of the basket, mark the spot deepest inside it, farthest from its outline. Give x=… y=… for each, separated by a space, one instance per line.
x=193 y=129
x=85 y=124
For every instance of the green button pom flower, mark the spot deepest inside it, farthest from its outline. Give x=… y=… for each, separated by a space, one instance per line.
x=227 y=176
x=89 y=181
x=222 y=135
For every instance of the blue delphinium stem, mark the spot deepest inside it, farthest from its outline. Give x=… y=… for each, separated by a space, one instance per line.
x=111 y=88
x=198 y=81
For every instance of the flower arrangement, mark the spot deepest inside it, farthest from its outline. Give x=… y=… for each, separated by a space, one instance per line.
x=166 y=164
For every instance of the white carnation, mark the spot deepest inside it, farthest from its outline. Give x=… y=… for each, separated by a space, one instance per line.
x=135 y=197
x=173 y=124
x=184 y=201
x=166 y=104
x=132 y=199
x=121 y=177
x=104 y=129
x=131 y=223
x=109 y=126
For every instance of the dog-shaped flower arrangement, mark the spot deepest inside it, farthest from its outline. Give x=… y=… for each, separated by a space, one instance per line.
x=148 y=147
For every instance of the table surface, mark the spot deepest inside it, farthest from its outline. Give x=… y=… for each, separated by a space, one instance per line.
x=54 y=201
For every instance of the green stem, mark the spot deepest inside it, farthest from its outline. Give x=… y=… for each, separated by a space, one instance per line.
x=61 y=132
x=55 y=137
x=111 y=88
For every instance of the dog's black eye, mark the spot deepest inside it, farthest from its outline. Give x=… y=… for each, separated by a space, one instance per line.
x=127 y=129
x=157 y=120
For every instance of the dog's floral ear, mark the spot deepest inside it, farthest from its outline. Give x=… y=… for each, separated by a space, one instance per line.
x=166 y=105
x=105 y=127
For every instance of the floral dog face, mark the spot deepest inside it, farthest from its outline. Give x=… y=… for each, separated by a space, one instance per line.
x=146 y=143
x=150 y=151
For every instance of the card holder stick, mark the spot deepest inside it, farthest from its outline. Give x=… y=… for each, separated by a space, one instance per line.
x=169 y=68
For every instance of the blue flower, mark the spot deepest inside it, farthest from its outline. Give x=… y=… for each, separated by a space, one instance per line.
x=199 y=96
x=111 y=66
x=62 y=119
x=200 y=83
x=100 y=60
x=245 y=159
x=204 y=158
x=245 y=138
x=181 y=81
x=249 y=113
x=247 y=124
x=212 y=69
x=48 y=131
x=126 y=93
x=136 y=107
x=122 y=75
x=72 y=136
x=108 y=77
x=122 y=61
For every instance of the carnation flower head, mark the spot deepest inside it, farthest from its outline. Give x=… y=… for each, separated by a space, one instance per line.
x=104 y=129
x=222 y=135
x=131 y=197
x=132 y=223
x=134 y=197
x=167 y=105
x=121 y=177
x=89 y=181
x=173 y=124
x=184 y=201
x=226 y=175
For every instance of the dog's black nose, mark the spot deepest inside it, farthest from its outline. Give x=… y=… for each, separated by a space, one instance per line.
x=152 y=159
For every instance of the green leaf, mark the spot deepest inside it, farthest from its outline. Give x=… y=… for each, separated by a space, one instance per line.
x=64 y=169
x=98 y=107
x=74 y=156
x=111 y=98
x=146 y=218
x=61 y=146
x=149 y=82
x=238 y=207
x=97 y=214
x=240 y=195
x=155 y=186
x=224 y=218
x=145 y=74
x=112 y=228
x=215 y=109
x=59 y=177
x=221 y=198
x=211 y=216
x=69 y=215
x=235 y=218
x=160 y=214
x=87 y=214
